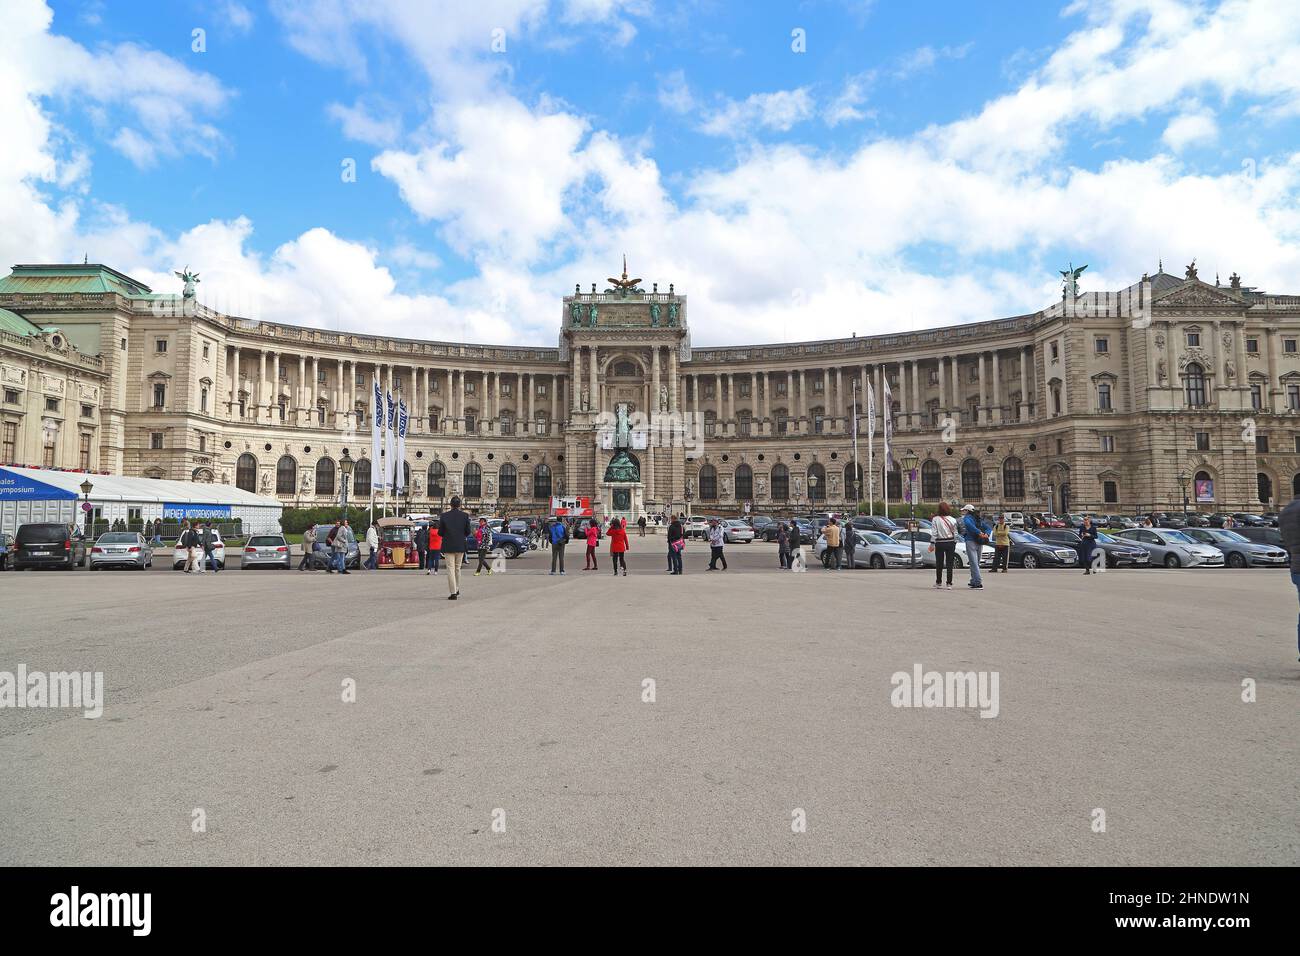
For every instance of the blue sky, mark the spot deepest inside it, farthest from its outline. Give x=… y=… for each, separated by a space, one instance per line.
x=800 y=170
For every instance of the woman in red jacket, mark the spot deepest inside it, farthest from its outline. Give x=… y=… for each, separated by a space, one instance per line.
x=618 y=545
x=593 y=535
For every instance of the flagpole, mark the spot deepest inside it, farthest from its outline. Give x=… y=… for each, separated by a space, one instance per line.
x=871 y=454
x=856 y=468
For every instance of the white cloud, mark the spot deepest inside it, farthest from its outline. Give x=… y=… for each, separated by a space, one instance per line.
x=675 y=94
x=769 y=111
x=1190 y=129
x=237 y=16
x=366 y=124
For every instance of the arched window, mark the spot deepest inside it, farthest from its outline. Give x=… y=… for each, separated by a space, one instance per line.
x=286 y=476
x=1013 y=479
x=781 y=483
x=1194 y=385
x=931 y=481
x=361 y=479
x=851 y=474
x=473 y=480
x=708 y=483
x=972 y=480
x=542 y=482
x=325 y=476
x=1295 y=486
x=246 y=473
x=437 y=480
x=894 y=483
x=744 y=483
x=817 y=489
x=507 y=481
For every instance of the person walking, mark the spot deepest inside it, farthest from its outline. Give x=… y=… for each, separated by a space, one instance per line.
x=1087 y=543
x=640 y=523
x=188 y=542
x=454 y=530
x=208 y=542
x=974 y=532
x=717 y=540
x=782 y=546
x=421 y=535
x=618 y=545
x=1288 y=524
x=1001 y=544
x=434 y=548
x=944 y=545
x=343 y=541
x=796 y=545
x=483 y=537
x=832 y=533
x=558 y=536
x=593 y=537
x=676 y=541
x=372 y=544
x=308 y=546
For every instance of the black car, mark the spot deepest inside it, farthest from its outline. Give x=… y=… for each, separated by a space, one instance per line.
x=47 y=546
x=1244 y=520
x=6 y=546
x=1029 y=551
x=1271 y=536
x=876 y=523
x=1117 y=550
x=760 y=524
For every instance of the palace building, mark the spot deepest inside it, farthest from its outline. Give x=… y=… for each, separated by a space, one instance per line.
x=1103 y=401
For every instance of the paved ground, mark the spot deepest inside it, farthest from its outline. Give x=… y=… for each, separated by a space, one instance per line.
x=1119 y=692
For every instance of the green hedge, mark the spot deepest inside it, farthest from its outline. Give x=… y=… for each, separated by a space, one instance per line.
x=297 y=520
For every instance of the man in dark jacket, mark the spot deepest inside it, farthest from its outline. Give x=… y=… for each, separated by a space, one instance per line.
x=1087 y=544
x=558 y=536
x=1288 y=523
x=676 y=541
x=208 y=542
x=454 y=528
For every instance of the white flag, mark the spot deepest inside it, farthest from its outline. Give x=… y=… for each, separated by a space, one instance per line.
x=376 y=431
x=871 y=412
x=390 y=423
x=887 y=416
x=399 y=463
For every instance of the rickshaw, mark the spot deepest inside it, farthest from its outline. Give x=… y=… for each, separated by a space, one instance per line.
x=397 y=544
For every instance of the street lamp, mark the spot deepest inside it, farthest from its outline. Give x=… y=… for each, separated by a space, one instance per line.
x=1183 y=479
x=909 y=464
x=346 y=464
x=88 y=528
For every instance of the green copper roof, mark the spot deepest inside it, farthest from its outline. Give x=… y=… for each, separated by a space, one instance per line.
x=15 y=323
x=89 y=278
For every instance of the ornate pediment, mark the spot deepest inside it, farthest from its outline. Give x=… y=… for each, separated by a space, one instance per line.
x=1195 y=294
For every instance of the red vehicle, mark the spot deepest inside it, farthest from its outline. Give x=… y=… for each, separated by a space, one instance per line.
x=1047 y=520
x=397 y=544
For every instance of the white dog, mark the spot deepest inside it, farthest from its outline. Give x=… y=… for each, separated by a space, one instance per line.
x=797 y=562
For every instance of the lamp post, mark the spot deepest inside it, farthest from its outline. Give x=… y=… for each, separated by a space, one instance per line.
x=1183 y=479
x=346 y=464
x=909 y=464
x=688 y=495
x=86 y=524
x=857 y=495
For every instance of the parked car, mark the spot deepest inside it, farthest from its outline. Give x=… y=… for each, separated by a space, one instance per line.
x=1271 y=536
x=1271 y=518
x=760 y=524
x=121 y=549
x=927 y=559
x=1029 y=551
x=1117 y=552
x=218 y=552
x=352 y=561
x=1016 y=519
x=43 y=545
x=1118 y=522
x=6 y=543
x=266 y=551
x=872 y=549
x=1045 y=519
x=875 y=523
x=512 y=545
x=1174 y=549
x=697 y=526
x=735 y=531
x=518 y=526
x=1239 y=551
x=1163 y=519
x=1196 y=520
x=1243 y=519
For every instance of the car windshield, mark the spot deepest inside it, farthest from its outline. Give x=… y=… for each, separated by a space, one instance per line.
x=266 y=541
x=117 y=537
x=1177 y=536
x=398 y=533
x=1107 y=539
x=1230 y=536
x=876 y=537
x=1024 y=537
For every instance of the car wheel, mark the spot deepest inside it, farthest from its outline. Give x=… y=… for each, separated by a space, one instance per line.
x=876 y=563
x=1171 y=561
x=1236 y=560
x=511 y=550
x=1030 y=562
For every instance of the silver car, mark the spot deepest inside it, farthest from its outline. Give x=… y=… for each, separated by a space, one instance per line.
x=735 y=531
x=1173 y=548
x=266 y=551
x=121 y=549
x=926 y=558
x=1238 y=550
x=874 y=549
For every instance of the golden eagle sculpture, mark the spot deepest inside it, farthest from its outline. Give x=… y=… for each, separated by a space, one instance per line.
x=624 y=285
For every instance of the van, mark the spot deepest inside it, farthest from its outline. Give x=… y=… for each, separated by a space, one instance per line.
x=47 y=546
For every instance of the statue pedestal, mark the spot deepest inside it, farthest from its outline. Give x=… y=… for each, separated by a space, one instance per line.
x=622 y=499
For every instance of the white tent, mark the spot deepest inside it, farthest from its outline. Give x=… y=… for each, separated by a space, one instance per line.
x=37 y=494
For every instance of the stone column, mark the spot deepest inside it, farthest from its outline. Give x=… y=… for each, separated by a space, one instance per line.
x=1243 y=380
x=577 y=377
x=555 y=406
x=595 y=381
x=839 y=414
x=1274 y=393
x=958 y=405
x=532 y=402
x=801 y=409
x=695 y=395
x=300 y=396
x=1022 y=413
x=943 y=387
x=984 y=402
x=653 y=408
x=313 y=393
x=234 y=386
x=918 y=417
x=275 y=387
x=997 y=390
x=902 y=396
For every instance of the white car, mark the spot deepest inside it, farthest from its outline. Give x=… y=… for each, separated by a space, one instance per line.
x=218 y=553
x=1016 y=519
x=697 y=526
x=735 y=531
x=874 y=549
x=925 y=558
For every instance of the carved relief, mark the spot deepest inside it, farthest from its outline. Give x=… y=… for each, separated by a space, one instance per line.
x=1195 y=354
x=51 y=384
x=13 y=376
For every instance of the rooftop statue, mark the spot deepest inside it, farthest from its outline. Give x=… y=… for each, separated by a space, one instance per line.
x=190 y=279
x=1071 y=276
x=1191 y=270
x=624 y=286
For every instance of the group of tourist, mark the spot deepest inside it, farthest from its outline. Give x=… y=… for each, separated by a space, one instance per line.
x=200 y=545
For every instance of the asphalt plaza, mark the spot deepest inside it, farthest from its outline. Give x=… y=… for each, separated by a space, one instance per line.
x=517 y=725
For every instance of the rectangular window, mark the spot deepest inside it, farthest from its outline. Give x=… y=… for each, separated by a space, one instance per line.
x=1256 y=397
x=9 y=442
x=1056 y=351
x=397 y=383
x=160 y=346
x=320 y=376
x=361 y=379
x=1193 y=339
x=1297 y=444
x=436 y=385
x=1108 y=443
x=87 y=411
x=1110 y=490
x=1261 y=444
x=282 y=411
x=542 y=389
x=159 y=396
x=1293 y=397
x=155 y=440
x=1102 y=346
x=1288 y=345
x=934 y=376
x=507 y=389
x=819 y=384
x=205 y=350
x=85 y=452
x=122 y=346
x=1202 y=441
x=708 y=389
x=1060 y=446
x=1103 y=397
x=1252 y=346
x=203 y=443
x=47 y=456
x=11 y=396
x=781 y=387
x=51 y=404
x=744 y=389
x=469 y=388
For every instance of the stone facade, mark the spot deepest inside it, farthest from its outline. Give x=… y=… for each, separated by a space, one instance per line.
x=1106 y=401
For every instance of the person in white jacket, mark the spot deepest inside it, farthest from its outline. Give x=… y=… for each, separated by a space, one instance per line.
x=372 y=542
